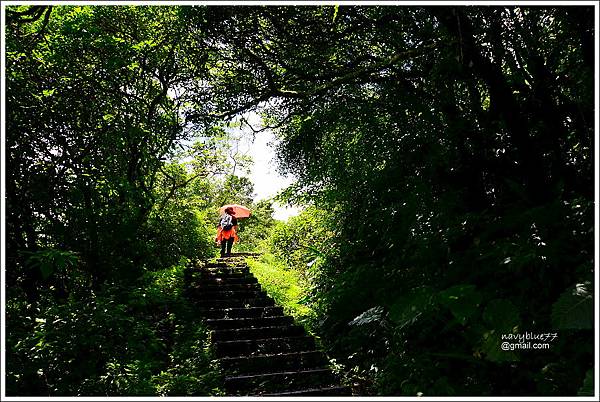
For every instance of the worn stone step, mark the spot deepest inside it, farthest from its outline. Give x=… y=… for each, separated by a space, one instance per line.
x=260 y=349
x=242 y=312
x=277 y=331
x=228 y=294
x=226 y=270
x=234 y=259
x=212 y=264
x=205 y=275
x=225 y=280
x=249 y=347
x=333 y=390
x=221 y=287
x=245 y=254
x=251 y=322
x=273 y=362
x=221 y=262
x=256 y=384
x=235 y=303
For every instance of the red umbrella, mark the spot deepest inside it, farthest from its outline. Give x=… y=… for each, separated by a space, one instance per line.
x=239 y=210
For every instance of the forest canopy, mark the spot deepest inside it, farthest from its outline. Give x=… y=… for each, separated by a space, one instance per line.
x=444 y=156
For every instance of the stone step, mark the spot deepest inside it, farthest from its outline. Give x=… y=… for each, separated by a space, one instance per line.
x=205 y=275
x=257 y=333
x=235 y=303
x=221 y=263
x=245 y=254
x=211 y=264
x=260 y=348
x=234 y=259
x=339 y=390
x=251 y=322
x=226 y=270
x=273 y=362
x=250 y=347
x=256 y=384
x=228 y=294
x=225 y=280
x=221 y=287
x=242 y=312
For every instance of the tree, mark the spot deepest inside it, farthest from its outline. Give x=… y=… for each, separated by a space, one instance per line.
x=92 y=116
x=93 y=121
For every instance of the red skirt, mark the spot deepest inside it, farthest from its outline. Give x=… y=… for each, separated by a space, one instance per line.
x=227 y=234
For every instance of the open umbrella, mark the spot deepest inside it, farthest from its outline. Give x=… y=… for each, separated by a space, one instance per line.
x=240 y=210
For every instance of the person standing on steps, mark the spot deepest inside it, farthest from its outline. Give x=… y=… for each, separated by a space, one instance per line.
x=227 y=232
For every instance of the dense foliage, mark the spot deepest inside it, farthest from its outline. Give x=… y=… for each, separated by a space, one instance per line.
x=116 y=340
x=444 y=154
x=108 y=187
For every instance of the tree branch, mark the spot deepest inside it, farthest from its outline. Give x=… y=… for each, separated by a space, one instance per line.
x=175 y=186
x=365 y=73
x=32 y=14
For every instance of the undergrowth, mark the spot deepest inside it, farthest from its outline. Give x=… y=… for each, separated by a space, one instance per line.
x=286 y=286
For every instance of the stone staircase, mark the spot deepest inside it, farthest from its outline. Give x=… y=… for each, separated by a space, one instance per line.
x=261 y=350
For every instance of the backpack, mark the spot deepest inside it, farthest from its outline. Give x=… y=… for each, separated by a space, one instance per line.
x=226 y=222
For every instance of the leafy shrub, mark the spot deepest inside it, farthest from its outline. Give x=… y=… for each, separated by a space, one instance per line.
x=254 y=230
x=146 y=340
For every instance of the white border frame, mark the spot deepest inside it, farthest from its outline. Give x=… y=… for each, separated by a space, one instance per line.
x=296 y=3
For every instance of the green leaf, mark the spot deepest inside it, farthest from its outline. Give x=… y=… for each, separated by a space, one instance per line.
x=491 y=347
x=462 y=300
x=574 y=309
x=502 y=315
x=46 y=268
x=407 y=309
x=374 y=314
x=336 y=8
x=587 y=389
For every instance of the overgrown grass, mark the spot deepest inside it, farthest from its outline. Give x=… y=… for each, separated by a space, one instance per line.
x=286 y=286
